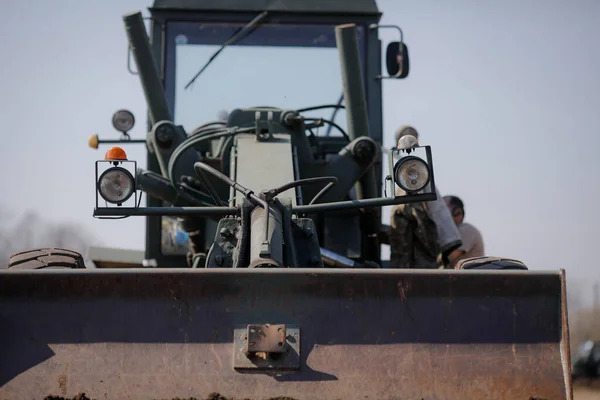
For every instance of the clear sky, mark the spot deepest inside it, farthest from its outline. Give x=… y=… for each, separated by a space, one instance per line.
x=507 y=93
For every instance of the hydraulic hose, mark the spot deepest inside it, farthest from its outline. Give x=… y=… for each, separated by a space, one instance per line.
x=194 y=140
x=301 y=182
x=199 y=166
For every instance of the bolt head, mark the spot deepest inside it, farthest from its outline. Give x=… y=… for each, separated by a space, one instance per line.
x=364 y=150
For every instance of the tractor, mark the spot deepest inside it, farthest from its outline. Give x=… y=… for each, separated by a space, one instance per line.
x=262 y=275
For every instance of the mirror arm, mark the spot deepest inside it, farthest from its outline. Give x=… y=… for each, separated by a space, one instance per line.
x=376 y=26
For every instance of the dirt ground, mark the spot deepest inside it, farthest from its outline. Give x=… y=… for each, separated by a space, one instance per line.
x=586 y=390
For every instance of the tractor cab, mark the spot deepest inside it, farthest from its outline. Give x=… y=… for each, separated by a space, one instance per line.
x=216 y=57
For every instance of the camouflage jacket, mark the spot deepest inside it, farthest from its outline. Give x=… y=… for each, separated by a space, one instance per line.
x=413 y=237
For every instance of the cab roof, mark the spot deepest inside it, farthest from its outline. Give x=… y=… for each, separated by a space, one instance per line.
x=341 y=7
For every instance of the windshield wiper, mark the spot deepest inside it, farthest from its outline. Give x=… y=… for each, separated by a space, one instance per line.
x=339 y=103
x=237 y=36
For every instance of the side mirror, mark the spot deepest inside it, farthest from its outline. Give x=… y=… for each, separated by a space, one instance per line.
x=396 y=57
x=397 y=61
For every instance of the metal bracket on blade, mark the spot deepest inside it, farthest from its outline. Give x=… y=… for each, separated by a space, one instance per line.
x=266 y=346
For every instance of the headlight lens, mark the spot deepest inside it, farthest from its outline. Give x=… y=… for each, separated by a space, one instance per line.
x=123 y=121
x=116 y=185
x=411 y=173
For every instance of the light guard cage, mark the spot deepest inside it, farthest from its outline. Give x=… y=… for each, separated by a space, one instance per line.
x=116 y=164
x=395 y=155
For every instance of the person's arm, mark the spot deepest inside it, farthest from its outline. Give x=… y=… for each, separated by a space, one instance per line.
x=468 y=237
x=384 y=234
x=453 y=257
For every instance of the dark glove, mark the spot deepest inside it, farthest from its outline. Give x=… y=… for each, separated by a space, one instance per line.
x=443 y=261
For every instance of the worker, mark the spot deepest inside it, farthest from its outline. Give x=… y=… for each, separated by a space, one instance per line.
x=413 y=237
x=472 y=241
x=420 y=232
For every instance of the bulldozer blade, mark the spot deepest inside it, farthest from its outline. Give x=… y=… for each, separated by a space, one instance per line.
x=285 y=334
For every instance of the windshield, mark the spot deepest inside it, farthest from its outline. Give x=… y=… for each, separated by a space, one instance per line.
x=285 y=66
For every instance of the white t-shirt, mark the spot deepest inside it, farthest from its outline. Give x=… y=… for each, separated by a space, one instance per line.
x=472 y=242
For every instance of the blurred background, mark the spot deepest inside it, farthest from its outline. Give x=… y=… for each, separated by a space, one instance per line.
x=507 y=94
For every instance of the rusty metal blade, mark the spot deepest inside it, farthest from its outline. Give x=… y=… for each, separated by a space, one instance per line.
x=374 y=334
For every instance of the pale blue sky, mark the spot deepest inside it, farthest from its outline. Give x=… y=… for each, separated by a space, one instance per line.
x=507 y=93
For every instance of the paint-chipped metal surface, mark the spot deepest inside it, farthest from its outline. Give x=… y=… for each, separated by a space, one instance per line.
x=150 y=334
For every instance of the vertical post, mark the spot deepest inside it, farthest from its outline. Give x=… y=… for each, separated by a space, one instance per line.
x=354 y=94
x=358 y=125
x=147 y=69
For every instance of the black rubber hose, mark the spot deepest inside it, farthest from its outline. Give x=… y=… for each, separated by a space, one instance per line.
x=192 y=141
x=209 y=187
x=209 y=128
x=336 y=126
x=322 y=192
x=302 y=182
x=287 y=233
x=321 y=107
x=198 y=166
